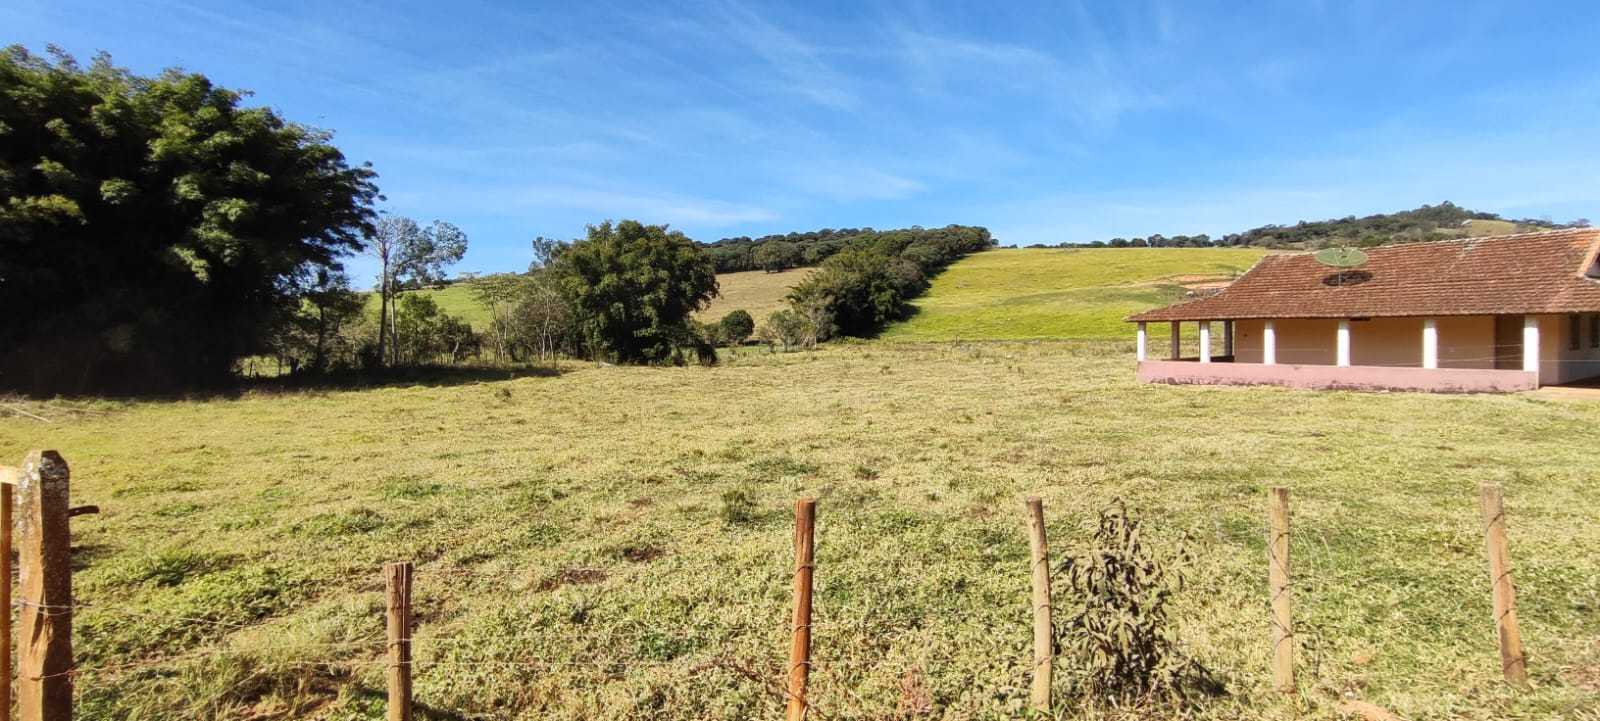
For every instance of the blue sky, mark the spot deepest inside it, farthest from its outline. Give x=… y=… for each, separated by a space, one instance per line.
x=1047 y=123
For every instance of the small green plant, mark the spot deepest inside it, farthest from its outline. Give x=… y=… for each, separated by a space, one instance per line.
x=739 y=506
x=1117 y=627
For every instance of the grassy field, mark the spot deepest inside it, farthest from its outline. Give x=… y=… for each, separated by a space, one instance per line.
x=756 y=291
x=1012 y=293
x=615 y=542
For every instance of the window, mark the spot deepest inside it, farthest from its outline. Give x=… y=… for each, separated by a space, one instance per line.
x=1594 y=330
x=1574 y=332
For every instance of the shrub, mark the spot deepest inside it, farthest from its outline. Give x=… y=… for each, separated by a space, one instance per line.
x=735 y=328
x=1117 y=624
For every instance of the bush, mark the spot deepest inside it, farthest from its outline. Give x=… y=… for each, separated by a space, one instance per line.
x=1117 y=623
x=739 y=506
x=735 y=328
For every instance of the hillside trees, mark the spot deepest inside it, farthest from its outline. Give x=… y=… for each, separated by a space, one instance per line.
x=776 y=256
x=859 y=290
x=633 y=287
x=152 y=228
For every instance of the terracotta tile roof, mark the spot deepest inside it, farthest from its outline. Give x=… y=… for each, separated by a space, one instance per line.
x=1508 y=274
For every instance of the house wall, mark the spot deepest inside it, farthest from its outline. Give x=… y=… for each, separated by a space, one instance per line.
x=1558 y=362
x=1464 y=341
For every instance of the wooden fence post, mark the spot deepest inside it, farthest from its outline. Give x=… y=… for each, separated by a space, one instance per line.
x=44 y=678
x=1512 y=661
x=1043 y=644
x=805 y=520
x=397 y=581
x=1282 y=597
x=8 y=490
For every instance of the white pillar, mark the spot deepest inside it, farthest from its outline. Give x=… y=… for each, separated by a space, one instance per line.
x=1141 y=352
x=1530 y=343
x=1344 y=343
x=1430 y=343
x=1269 y=343
x=1205 y=341
x=1177 y=340
x=1227 y=338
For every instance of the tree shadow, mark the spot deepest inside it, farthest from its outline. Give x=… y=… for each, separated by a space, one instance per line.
x=350 y=380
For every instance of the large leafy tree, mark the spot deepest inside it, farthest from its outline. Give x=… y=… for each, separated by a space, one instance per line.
x=153 y=229
x=634 y=286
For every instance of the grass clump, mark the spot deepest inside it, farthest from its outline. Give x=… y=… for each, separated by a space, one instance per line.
x=739 y=507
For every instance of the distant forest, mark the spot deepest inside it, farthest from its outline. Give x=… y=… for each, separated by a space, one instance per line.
x=774 y=253
x=1429 y=222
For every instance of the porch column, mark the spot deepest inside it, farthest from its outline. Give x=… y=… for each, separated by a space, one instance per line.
x=1430 y=343
x=1177 y=340
x=1140 y=355
x=1227 y=338
x=1530 y=343
x=1205 y=341
x=1269 y=343
x=1343 y=359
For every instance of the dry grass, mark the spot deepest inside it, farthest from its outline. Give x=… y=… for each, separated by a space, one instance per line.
x=575 y=561
x=757 y=292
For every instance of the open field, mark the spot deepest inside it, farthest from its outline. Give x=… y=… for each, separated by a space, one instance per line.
x=1029 y=293
x=582 y=551
x=755 y=291
x=758 y=292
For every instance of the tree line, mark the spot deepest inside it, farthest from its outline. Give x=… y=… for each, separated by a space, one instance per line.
x=155 y=232
x=1428 y=222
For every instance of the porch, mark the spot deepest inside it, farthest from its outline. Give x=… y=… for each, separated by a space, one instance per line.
x=1458 y=354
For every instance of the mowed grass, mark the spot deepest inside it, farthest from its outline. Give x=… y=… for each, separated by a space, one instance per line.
x=758 y=292
x=1039 y=293
x=455 y=299
x=583 y=551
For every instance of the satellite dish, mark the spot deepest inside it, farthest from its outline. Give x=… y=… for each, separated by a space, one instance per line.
x=1340 y=257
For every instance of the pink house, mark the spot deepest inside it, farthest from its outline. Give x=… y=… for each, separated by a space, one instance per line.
x=1502 y=313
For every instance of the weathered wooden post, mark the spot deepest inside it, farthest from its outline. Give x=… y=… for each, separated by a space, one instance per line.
x=805 y=520
x=1513 y=663
x=1043 y=644
x=397 y=581
x=44 y=679
x=8 y=489
x=1282 y=598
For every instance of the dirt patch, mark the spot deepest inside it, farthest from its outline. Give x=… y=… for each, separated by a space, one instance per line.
x=573 y=576
x=640 y=502
x=641 y=554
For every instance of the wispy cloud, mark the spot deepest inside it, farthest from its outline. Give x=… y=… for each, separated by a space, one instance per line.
x=848 y=182
x=670 y=208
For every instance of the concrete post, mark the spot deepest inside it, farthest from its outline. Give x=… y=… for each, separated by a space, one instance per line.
x=1530 y=343
x=1343 y=359
x=1269 y=343
x=1430 y=343
x=1205 y=341
x=1142 y=341
x=1177 y=340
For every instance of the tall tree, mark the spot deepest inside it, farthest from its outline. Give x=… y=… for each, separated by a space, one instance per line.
x=634 y=286
x=410 y=255
x=151 y=228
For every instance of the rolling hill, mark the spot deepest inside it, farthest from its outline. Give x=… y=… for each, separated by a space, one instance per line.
x=1037 y=293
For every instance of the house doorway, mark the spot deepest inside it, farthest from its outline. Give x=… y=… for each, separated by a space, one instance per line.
x=1508 y=342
